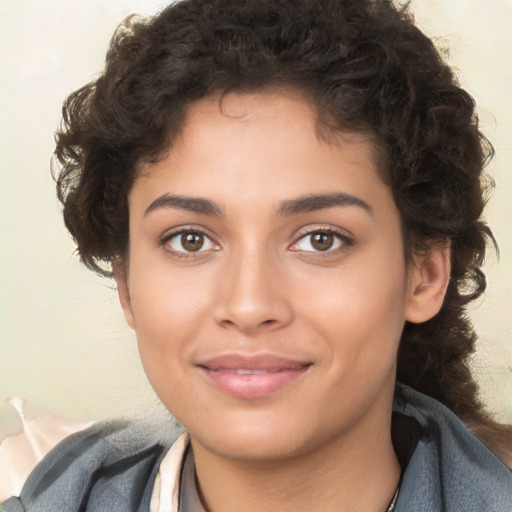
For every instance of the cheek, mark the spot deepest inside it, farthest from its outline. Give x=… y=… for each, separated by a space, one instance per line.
x=359 y=307
x=169 y=306
x=165 y=296
x=168 y=314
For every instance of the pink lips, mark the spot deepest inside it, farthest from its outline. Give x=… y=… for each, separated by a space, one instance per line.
x=251 y=376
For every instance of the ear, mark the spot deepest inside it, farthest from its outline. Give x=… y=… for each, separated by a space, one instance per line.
x=121 y=278
x=429 y=278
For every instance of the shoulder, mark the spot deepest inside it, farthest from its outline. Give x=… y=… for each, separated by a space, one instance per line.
x=447 y=467
x=110 y=466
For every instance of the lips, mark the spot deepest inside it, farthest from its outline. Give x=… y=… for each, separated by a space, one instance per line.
x=246 y=371
x=251 y=376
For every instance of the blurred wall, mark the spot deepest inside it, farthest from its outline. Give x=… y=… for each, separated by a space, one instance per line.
x=63 y=341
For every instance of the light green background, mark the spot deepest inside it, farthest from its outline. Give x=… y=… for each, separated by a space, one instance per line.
x=63 y=340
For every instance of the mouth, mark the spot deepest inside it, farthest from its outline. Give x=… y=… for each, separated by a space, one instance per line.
x=241 y=371
x=252 y=376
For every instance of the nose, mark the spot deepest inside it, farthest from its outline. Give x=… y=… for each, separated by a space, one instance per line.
x=252 y=295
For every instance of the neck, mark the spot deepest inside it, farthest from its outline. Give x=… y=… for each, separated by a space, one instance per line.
x=357 y=472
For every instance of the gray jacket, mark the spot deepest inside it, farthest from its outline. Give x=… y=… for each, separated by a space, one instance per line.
x=111 y=467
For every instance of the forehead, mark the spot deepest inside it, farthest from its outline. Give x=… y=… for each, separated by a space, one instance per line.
x=263 y=110
x=265 y=145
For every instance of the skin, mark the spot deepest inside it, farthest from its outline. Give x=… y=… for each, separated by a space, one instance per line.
x=258 y=285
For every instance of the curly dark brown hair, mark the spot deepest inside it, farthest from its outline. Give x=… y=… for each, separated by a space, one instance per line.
x=366 y=67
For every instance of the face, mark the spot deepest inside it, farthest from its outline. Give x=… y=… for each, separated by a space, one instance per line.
x=266 y=280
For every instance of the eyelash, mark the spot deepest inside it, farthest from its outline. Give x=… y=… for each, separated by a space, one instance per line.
x=346 y=241
x=164 y=242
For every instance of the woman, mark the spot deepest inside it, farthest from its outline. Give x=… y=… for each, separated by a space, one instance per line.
x=289 y=197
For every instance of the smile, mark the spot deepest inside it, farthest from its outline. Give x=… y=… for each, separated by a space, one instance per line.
x=246 y=372
x=251 y=376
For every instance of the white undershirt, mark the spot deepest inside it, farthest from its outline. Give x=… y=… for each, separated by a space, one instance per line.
x=175 y=487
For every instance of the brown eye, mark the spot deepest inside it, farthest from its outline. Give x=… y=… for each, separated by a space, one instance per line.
x=192 y=242
x=322 y=241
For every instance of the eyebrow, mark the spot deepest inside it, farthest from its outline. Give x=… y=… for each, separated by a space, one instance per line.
x=314 y=202
x=303 y=204
x=191 y=204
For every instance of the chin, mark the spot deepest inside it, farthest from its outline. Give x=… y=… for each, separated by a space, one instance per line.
x=254 y=445
x=258 y=435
